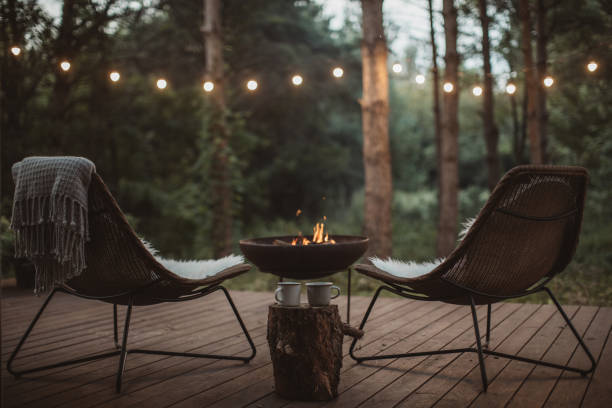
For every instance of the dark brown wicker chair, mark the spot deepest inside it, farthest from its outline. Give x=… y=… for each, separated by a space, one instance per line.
x=121 y=271
x=526 y=233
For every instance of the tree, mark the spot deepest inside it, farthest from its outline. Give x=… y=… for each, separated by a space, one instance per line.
x=375 y=122
x=220 y=174
x=435 y=83
x=542 y=71
x=491 y=134
x=531 y=85
x=449 y=143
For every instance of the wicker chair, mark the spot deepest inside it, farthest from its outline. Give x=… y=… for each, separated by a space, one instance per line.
x=526 y=233
x=121 y=271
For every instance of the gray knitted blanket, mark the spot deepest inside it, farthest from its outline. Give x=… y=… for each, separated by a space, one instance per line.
x=50 y=216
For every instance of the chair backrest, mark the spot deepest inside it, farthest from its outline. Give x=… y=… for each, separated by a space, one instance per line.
x=117 y=261
x=528 y=230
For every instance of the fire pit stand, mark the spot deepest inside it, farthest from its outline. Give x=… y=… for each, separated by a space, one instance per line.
x=276 y=255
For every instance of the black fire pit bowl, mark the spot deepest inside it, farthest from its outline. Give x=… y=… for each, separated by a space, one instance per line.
x=304 y=261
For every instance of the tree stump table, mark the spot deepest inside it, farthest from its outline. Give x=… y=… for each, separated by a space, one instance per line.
x=306 y=350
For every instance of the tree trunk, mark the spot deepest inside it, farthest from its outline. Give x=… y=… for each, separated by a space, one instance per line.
x=217 y=129
x=435 y=83
x=449 y=147
x=375 y=121
x=531 y=85
x=306 y=351
x=542 y=56
x=491 y=135
x=59 y=101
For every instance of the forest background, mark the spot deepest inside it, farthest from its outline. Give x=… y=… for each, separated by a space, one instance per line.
x=291 y=147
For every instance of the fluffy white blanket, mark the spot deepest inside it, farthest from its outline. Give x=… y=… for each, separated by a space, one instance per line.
x=413 y=269
x=195 y=269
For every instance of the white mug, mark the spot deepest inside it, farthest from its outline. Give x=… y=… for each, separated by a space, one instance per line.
x=288 y=293
x=319 y=293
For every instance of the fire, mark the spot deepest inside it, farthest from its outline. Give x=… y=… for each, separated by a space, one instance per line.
x=319 y=236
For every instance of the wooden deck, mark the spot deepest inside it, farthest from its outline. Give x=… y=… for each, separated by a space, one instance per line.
x=72 y=327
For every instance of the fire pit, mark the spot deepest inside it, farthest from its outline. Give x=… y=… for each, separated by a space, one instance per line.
x=277 y=255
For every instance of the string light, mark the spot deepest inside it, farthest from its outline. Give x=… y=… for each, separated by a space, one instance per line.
x=592 y=66
x=297 y=80
x=252 y=85
x=420 y=79
x=548 y=81
x=65 y=65
x=477 y=91
x=338 y=72
x=510 y=89
x=208 y=86
x=15 y=50
x=161 y=83
x=397 y=67
x=114 y=76
x=448 y=87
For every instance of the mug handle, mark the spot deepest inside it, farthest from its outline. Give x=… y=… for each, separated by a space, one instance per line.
x=337 y=292
x=276 y=293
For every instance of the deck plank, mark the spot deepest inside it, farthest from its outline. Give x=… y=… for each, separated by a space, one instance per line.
x=72 y=325
x=540 y=382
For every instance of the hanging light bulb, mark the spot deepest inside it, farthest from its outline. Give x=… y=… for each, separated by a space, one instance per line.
x=297 y=80
x=208 y=86
x=114 y=76
x=477 y=90
x=548 y=81
x=510 y=89
x=338 y=72
x=448 y=87
x=420 y=79
x=592 y=66
x=15 y=50
x=65 y=65
x=397 y=67
x=252 y=85
x=161 y=83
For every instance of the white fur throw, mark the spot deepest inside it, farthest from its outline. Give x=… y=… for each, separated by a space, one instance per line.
x=195 y=269
x=413 y=269
x=408 y=269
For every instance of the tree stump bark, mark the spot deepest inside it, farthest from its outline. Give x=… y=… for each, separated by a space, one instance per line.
x=306 y=350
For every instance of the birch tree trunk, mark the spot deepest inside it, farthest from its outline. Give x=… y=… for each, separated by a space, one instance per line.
x=542 y=57
x=220 y=172
x=531 y=85
x=375 y=122
x=449 y=146
x=491 y=134
x=435 y=83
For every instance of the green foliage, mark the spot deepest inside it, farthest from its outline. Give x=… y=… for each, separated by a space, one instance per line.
x=289 y=147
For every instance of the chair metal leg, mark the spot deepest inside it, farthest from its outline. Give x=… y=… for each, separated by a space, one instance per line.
x=215 y=356
x=124 y=350
x=348 y=298
x=488 y=336
x=363 y=322
x=17 y=373
x=576 y=334
x=479 y=349
x=9 y=365
x=115 y=331
x=242 y=326
x=483 y=371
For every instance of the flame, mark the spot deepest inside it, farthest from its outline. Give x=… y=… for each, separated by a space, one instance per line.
x=319 y=236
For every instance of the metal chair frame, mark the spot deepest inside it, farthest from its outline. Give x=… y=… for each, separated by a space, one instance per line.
x=122 y=350
x=479 y=349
